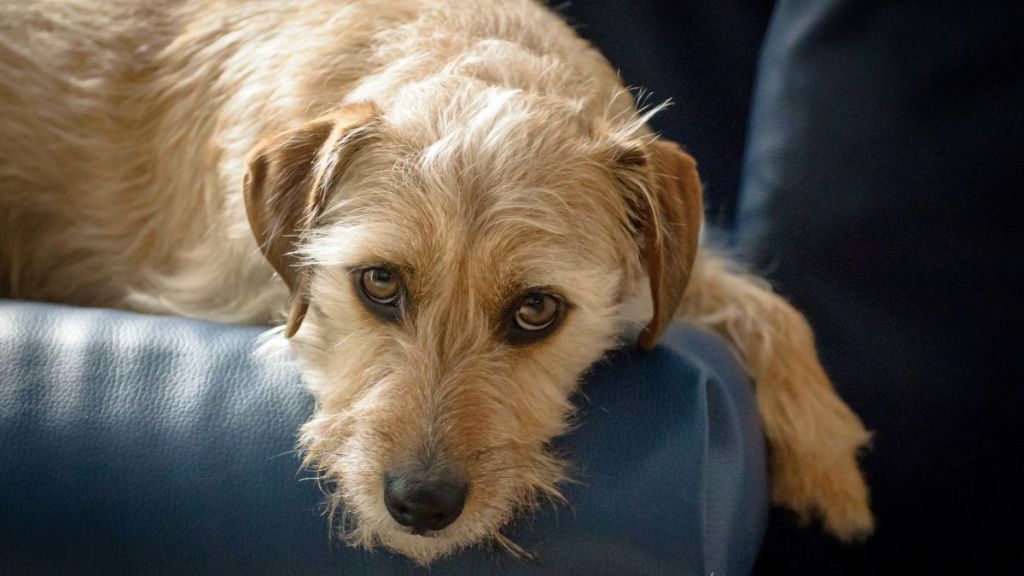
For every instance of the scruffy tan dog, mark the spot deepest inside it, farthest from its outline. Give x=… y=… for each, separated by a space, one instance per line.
x=456 y=208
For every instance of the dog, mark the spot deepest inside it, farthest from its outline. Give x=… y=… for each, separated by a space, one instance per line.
x=449 y=210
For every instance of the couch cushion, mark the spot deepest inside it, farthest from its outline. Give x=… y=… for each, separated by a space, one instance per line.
x=140 y=444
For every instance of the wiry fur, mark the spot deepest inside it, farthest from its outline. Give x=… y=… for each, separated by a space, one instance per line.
x=499 y=152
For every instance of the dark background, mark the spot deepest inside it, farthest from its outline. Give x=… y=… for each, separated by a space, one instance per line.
x=866 y=157
x=703 y=56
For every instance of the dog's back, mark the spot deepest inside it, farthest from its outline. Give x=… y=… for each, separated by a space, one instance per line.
x=95 y=126
x=59 y=121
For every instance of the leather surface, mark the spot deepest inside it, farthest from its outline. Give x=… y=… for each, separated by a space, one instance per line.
x=134 y=444
x=883 y=193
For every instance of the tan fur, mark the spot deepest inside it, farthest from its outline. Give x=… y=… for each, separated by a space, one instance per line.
x=200 y=157
x=814 y=437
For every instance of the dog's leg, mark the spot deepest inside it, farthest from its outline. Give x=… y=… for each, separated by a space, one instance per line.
x=813 y=436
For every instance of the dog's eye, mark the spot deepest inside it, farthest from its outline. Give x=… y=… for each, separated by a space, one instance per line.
x=537 y=312
x=533 y=317
x=380 y=285
x=380 y=290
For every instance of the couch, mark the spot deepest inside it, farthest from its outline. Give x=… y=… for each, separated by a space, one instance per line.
x=133 y=444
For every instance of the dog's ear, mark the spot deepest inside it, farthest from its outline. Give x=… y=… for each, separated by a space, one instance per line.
x=669 y=215
x=287 y=180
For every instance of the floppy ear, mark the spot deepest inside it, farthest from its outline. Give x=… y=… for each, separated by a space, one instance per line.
x=286 y=184
x=670 y=220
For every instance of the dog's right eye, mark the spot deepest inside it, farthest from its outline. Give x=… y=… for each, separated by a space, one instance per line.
x=381 y=291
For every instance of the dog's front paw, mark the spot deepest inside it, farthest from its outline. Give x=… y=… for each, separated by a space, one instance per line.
x=838 y=498
x=821 y=480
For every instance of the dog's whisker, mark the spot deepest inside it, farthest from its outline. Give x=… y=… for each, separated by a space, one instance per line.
x=513 y=548
x=291 y=452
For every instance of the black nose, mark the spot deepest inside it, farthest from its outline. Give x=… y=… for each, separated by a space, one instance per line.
x=424 y=501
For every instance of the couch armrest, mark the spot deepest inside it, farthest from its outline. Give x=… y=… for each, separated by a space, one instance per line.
x=140 y=444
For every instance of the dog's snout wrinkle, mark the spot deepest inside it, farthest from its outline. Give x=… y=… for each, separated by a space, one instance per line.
x=424 y=500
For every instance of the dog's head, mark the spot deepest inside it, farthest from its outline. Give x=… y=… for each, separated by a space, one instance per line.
x=455 y=267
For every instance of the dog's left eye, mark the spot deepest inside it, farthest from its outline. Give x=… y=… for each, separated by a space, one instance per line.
x=536 y=312
x=533 y=317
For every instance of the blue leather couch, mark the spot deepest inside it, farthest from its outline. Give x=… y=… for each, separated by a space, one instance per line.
x=132 y=444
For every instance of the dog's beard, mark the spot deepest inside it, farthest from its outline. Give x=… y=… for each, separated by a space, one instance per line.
x=350 y=477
